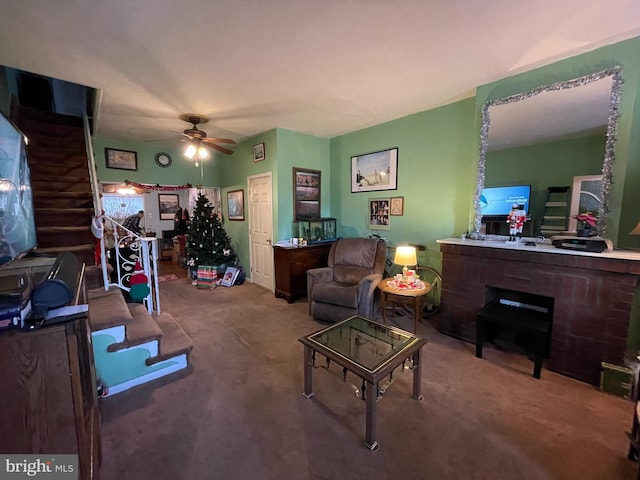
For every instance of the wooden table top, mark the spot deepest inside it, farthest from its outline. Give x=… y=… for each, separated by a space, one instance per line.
x=417 y=292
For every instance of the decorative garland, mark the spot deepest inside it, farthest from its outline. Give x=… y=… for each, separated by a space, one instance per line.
x=157 y=187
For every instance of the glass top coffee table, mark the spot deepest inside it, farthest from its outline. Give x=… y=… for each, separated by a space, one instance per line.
x=369 y=350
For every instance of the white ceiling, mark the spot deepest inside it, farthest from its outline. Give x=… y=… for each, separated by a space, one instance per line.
x=551 y=115
x=318 y=67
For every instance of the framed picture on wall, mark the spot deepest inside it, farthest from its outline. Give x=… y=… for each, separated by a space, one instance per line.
x=168 y=205
x=397 y=206
x=306 y=193
x=235 y=202
x=258 y=152
x=121 y=159
x=375 y=171
x=378 y=215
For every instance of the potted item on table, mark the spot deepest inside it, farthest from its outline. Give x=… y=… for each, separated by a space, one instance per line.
x=586 y=224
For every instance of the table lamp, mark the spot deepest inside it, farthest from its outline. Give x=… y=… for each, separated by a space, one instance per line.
x=405 y=255
x=636 y=230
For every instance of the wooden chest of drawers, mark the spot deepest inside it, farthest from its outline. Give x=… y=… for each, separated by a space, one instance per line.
x=291 y=265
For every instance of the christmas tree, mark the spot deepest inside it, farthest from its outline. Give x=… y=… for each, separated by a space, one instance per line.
x=208 y=242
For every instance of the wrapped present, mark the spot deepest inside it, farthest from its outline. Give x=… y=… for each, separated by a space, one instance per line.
x=206 y=276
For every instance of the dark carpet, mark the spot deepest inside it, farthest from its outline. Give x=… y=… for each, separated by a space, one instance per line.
x=239 y=412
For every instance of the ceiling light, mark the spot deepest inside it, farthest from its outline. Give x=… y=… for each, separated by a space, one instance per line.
x=190 y=151
x=125 y=189
x=203 y=153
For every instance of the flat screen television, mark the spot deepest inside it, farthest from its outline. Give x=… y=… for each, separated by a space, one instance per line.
x=498 y=201
x=17 y=225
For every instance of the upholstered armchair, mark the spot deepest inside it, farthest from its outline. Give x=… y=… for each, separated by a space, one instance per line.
x=348 y=284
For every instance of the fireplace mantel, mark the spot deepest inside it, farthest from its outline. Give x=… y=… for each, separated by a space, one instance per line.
x=593 y=294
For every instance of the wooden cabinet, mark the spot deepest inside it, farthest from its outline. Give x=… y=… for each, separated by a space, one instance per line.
x=49 y=400
x=291 y=265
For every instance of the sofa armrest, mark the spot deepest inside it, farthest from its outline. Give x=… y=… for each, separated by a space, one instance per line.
x=315 y=276
x=366 y=291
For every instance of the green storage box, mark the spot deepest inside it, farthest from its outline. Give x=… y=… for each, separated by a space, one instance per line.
x=616 y=380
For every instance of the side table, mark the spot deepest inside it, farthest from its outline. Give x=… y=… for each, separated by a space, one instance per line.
x=412 y=297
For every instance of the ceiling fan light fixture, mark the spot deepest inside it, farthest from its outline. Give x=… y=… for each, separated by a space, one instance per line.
x=203 y=153
x=190 y=151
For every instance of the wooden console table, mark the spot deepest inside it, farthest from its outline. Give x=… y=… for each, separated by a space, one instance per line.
x=49 y=403
x=291 y=265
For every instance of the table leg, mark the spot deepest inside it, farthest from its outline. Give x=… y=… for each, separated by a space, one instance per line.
x=417 y=376
x=372 y=402
x=308 y=372
x=383 y=304
x=418 y=315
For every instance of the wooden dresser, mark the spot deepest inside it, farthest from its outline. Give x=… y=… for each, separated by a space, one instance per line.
x=49 y=400
x=291 y=265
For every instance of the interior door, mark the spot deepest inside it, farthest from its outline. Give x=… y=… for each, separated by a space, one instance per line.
x=261 y=229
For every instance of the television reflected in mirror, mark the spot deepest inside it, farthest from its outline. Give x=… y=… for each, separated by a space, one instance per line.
x=17 y=224
x=497 y=202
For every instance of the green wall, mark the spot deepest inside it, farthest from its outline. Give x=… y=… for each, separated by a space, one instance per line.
x=181 y=171
x=436 y=169
x=284 y=149
x=544 y=165
x=235 y=170
x=302 y=151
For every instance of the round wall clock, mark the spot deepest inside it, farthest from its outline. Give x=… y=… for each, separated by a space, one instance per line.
x=163 y=159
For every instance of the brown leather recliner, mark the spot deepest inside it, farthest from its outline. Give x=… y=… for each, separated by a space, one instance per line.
x=347 y=286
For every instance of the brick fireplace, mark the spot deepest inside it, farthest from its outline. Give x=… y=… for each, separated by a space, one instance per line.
x=592 y=295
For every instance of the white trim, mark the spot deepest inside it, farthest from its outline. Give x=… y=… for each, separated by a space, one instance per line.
x=181 y=364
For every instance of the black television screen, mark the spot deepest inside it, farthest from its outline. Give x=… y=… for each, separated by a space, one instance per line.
x=17 y=225
x=498 y=201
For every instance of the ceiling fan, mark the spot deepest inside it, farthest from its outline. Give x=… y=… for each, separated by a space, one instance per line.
x=198 y=137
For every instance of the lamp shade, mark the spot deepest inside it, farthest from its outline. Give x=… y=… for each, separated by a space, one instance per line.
x=636 y=230
x=405 y=255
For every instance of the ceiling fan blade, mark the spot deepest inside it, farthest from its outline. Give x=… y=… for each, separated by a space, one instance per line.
x=219 y=148
x=221 y=140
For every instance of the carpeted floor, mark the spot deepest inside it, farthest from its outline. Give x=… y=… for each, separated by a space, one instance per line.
x=240 y=414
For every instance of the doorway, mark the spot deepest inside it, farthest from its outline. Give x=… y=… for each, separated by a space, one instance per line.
x=260 y=195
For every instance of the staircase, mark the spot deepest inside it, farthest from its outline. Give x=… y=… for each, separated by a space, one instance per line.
x=62 y=196
x=130 y=346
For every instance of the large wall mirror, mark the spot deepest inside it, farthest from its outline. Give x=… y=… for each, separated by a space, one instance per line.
x=547 y=137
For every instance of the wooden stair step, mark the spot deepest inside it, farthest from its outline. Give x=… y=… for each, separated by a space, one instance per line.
x=85 y=251
x=43 y=169
x=64 y=229
x=142 y=329
x=175 y=340
x=93 y=277
x=49 y=217
x=107 y=308
x=63 y=194
x=84 y=179
x=70 y=248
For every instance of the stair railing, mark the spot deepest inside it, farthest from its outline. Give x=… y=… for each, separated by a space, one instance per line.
x=120 y=249
x=93 y=177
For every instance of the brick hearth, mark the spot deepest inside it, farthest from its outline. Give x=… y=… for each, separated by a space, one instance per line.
x=592 y=294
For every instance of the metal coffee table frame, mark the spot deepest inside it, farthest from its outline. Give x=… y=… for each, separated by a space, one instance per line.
x=371 y=377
